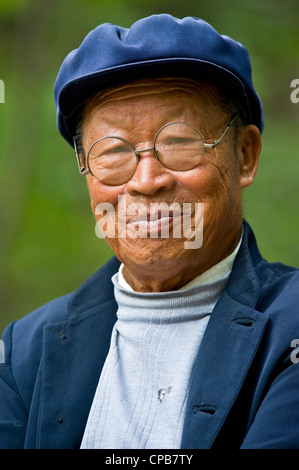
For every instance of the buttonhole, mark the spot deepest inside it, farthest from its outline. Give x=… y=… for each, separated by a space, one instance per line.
x=209 y=409
x=243 y=322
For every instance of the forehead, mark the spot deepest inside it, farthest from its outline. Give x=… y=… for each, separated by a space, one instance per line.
x=160 y=94
x=144 y=87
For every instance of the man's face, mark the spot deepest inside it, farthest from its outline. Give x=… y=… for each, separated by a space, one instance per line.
x=136 y=112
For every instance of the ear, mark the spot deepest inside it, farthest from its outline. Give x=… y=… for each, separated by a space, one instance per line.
x=250 y=144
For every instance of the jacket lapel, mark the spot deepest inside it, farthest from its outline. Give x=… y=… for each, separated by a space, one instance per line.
x=228 y=348
x=74 y=353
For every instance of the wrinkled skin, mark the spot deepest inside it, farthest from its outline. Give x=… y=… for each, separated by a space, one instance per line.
x=136 y=111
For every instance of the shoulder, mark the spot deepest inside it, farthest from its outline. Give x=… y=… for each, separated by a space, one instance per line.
x=279 y=285
x=23 y=346
x=279 y=300
x=267 y=284
x=25 y=336
x=54 y=311
x=24 y=339
x=94 y=290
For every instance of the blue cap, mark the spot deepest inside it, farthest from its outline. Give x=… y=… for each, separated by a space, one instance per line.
x=156 y=46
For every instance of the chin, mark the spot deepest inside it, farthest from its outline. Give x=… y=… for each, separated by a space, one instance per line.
x=153 y=252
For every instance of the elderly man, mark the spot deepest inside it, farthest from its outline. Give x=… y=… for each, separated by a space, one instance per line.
x=187 y=337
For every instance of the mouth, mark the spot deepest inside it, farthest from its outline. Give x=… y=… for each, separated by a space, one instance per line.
x=157 y=220
x=152 y=224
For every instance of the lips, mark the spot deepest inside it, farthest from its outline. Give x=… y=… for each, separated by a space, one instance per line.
x=150 y=225
x=153 y=222
x=156 y=220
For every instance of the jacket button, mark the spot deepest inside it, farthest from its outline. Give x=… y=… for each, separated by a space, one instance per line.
x=59 y=419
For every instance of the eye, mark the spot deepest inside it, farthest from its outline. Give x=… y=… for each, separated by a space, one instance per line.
x=110 y=147
x=176 y=141
x=117 y=150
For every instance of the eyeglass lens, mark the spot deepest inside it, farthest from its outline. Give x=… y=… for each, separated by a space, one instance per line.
x=178 y=146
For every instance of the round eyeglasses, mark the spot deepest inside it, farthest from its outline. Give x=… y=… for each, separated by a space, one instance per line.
x=179 y=146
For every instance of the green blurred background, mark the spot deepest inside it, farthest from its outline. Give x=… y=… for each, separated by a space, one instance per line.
x=48 y=245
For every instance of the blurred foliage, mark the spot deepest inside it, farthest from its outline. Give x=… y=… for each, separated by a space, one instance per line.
x=47 y=242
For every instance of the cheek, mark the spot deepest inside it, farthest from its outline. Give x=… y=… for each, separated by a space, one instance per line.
x=100 y=193
x=214 y=183
x=100 y=196
x=206 y=182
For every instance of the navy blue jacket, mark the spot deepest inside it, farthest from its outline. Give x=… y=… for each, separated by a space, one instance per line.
x=244 y=389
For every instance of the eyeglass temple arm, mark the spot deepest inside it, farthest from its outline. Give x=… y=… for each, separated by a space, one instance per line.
x=217 y=141
x=82 y=170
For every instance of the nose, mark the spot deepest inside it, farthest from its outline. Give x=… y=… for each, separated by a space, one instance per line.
x=151 y=176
